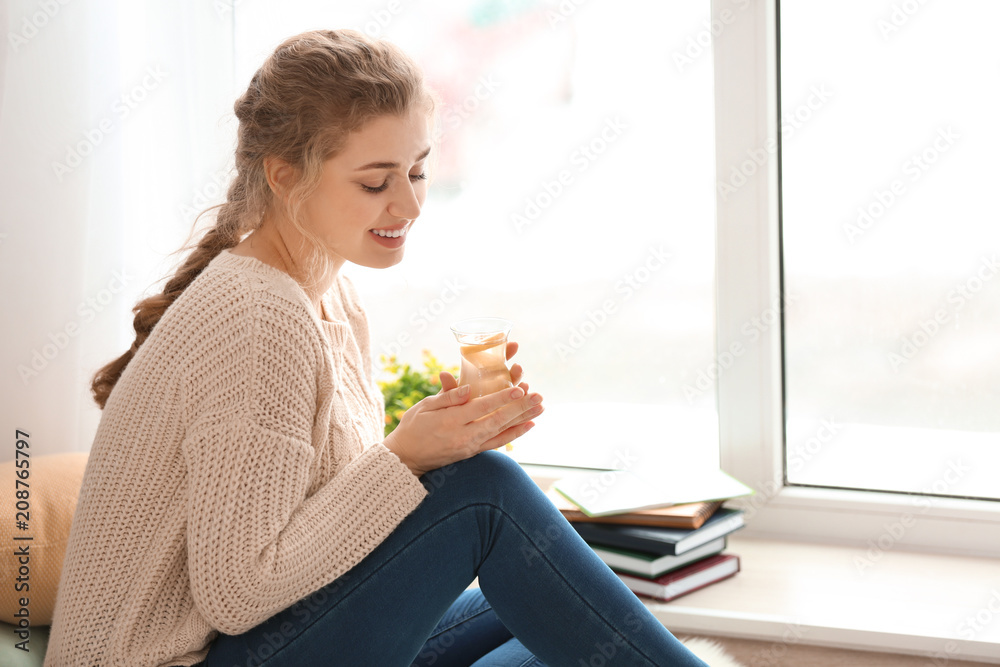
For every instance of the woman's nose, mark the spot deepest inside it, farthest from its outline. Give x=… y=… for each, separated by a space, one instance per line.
x=406 y=204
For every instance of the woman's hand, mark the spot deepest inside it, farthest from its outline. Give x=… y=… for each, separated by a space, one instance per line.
x=449 y=427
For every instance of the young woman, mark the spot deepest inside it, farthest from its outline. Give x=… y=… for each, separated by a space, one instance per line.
x=241 y=506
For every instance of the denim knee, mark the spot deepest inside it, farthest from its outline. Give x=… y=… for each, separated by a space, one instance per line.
x=485 y=476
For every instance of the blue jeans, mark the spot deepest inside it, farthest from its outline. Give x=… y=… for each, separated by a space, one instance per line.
x=551 y=601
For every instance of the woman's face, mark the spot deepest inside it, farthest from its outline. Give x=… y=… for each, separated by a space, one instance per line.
x=371 y=192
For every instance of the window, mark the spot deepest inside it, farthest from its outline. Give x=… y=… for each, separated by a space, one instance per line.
x=752 y=395
x=578 y=141
x=889 y=249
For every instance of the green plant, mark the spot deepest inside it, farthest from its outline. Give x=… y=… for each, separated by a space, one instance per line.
x=407 y=386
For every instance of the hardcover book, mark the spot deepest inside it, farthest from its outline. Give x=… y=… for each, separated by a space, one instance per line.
x=685 y=580
x=649 y=566
x=688 y=516
x=661 y=541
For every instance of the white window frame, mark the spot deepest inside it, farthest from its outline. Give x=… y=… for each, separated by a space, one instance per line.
x=748 y=278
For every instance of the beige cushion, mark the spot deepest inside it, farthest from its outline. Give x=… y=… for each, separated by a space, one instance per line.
x=54 y=484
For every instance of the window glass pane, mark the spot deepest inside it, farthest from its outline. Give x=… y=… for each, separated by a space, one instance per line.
x=573 y=193
x=890 y=243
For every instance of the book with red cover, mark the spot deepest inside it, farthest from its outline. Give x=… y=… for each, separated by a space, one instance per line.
x=680 y=582
x=687 y=516
x=651 y=567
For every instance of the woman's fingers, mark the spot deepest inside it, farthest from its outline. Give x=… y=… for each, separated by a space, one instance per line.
x=507 y=436
x=511 y=350
x=448 y=382
x=527 y=415
x=484 y=405
x=447 y=398
x=497 y=420
x=516 y=373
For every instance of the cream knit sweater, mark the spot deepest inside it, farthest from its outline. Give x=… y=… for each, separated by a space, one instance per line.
x=238 y=466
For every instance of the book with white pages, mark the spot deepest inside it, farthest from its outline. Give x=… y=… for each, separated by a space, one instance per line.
x=617 y=491
x=648 y=565
x=685 y=580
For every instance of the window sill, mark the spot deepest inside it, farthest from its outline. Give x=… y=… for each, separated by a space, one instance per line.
x=931 y=605
x=798 y=593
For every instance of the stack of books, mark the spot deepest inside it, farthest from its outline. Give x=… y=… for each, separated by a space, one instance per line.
x=658 y=546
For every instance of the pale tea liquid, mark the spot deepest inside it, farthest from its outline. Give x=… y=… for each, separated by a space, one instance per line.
x=484 y=366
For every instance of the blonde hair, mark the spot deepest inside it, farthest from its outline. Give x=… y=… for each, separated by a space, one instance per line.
x=301 y=105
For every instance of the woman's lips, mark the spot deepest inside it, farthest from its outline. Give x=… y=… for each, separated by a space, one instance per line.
x=390 y=237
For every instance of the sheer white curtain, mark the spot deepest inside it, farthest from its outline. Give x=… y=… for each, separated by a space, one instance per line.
x=115 y=128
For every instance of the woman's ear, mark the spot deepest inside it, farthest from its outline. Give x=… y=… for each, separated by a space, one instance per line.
x=280 y=177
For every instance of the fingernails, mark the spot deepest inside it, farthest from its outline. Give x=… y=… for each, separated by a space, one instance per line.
x=516 y=393
x=536 y=399
x=463 y=391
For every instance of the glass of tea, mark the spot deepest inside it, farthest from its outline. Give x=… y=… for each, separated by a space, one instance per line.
x=483 y=345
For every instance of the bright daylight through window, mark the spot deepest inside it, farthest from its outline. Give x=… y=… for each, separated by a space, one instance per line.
x=891 y=251
x=573 y=193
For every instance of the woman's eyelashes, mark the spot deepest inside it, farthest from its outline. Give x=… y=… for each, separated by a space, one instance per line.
x=385 y=184
x=376 y=189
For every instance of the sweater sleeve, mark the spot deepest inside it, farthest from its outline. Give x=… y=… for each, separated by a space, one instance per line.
x=257 y=542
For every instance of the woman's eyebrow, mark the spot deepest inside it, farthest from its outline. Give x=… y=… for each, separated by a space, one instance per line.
x=391 y=165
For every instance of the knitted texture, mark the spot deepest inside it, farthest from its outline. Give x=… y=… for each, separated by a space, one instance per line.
x=238 y=467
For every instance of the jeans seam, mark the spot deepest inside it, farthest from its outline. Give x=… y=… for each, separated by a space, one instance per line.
x=524 y=534
x=459 y=622
x=584 y=600
x=379 y=568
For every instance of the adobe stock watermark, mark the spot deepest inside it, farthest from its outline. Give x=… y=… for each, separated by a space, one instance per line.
x=606 y=652
x=438 y=646
x=34 y=23
x=751 y=330
x=803 y=452
x=121 y=109
x=899 y=16
x=597 y=485
x=563 y=12
x=381 y=18
x=542 y=540
x=774 y=654
x=578 y=162
x=700 y=43
x=212 y=192
x=896 y=530
x=58 y=340
x=760 y=498
x=626 y=287
x=912 y=170
x=957 y=298
x=969 y=628
x=791 y=122
x=800 y=455
x=223 y=8
x=453 y=115
x=302 y=612
x=421 y=318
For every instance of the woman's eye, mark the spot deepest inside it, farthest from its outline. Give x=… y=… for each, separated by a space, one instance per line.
x=385 y=184
x=377 y=189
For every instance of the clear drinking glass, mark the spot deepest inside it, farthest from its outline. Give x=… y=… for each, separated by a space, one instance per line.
x=483 y=345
